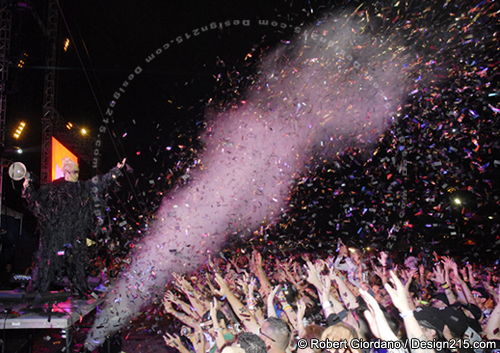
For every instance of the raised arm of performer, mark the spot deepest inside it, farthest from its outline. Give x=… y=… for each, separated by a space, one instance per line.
x=104 y=181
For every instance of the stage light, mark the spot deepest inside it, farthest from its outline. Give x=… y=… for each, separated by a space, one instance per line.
x=19 y=150
x=69 y=125
x=19 y=130
x=22 y=61
x=84 y=132
x=457 y=201
x=66 y=44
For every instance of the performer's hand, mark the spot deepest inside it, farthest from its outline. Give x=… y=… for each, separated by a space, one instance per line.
x=121 y=164
x=26 y=181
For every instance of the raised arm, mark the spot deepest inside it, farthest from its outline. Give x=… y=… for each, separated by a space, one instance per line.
x=104 y=181
x=492 y=329
x=442 y=280
x=241 y=311
x=271 y=311
x=401 y=299
x=461 y=285
x=345 y=293
x=258 y=269
x=185 y=318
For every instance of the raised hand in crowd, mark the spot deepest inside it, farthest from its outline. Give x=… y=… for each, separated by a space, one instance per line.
x=376 y=319
x=333 y=284
x=174 y=341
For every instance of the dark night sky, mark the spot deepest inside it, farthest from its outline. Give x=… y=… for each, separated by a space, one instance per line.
x=114 y=37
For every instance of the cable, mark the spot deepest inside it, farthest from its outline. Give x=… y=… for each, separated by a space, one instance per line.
x=85 y=71
x=4 y=343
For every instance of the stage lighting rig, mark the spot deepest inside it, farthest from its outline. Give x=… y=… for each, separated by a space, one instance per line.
x=19 y=130
x=22 y=60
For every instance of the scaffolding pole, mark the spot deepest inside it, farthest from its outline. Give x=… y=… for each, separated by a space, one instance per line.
x=5 y=34
x=49 y=112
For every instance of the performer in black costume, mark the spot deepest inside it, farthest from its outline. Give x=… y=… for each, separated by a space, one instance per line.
x=64 y=209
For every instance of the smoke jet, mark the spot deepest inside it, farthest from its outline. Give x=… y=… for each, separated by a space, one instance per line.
x=330 y=88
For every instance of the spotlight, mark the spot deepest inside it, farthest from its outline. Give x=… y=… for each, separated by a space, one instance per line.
x=84 y=132
x=66 y=44
x=19 y=150
x=19 y=130
x=463 y=200
x=69 y=125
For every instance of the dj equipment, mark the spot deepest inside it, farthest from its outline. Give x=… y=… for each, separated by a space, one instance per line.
x=16 y=297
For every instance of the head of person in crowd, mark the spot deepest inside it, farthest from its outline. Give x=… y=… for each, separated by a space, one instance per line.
x=457 y=320
x=207 y=323
x=339 y=332
x=429 y=320
x=276 y=334
x=439 y=301
x=482 y=298
x=355 y=255
x=312 y=331
x=411 y=262
x=207 y=319
x=473 y=313
x=247 y=343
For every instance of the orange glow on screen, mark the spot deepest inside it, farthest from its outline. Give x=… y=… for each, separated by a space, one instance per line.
x=59 y=151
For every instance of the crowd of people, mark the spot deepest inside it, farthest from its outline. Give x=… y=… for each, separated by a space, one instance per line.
x=368 y=301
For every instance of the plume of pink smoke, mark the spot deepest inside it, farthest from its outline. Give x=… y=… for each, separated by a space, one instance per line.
x=323 y=94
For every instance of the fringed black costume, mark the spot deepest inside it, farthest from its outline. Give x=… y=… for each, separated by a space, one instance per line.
x=65 y=216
